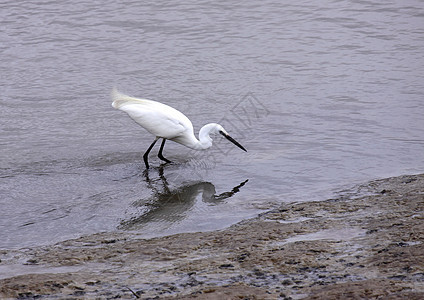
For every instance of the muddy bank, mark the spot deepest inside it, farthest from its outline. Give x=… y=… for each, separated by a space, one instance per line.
x=366 y=243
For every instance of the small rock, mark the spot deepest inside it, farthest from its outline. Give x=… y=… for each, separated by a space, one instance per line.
x=224 y=266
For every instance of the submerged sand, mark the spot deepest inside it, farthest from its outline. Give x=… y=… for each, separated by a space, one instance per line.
x=366 y=243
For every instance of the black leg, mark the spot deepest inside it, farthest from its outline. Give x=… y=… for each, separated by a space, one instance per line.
x=146 y=155
x=160 y=152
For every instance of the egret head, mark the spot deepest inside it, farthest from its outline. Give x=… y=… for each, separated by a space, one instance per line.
x=213 y=128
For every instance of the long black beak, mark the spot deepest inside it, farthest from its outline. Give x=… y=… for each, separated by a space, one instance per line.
x=232 y=140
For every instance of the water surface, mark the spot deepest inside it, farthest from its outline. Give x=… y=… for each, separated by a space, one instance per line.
x=323 y=95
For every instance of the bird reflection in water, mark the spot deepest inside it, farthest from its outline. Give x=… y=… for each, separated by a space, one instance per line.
x=170 y=206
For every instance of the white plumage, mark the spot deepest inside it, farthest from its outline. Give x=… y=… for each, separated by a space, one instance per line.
x=166 y=122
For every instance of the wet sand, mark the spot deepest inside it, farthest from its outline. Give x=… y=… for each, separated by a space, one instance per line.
x=367 y=243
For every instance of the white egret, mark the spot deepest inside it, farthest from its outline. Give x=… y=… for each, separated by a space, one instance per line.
x=167 y=123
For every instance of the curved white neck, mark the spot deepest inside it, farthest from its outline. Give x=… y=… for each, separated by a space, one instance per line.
x=205 y=141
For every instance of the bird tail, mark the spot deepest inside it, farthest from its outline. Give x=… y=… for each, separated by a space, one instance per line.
x=120 y=99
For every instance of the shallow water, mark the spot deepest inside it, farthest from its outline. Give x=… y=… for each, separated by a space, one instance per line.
x=323 y=95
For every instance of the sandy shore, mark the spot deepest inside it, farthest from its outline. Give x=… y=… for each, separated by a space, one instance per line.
x=365 y=244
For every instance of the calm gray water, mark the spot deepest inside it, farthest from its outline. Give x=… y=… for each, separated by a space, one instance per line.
x=323 y=94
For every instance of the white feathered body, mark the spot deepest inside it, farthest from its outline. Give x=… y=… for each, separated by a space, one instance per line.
x=159 y=119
